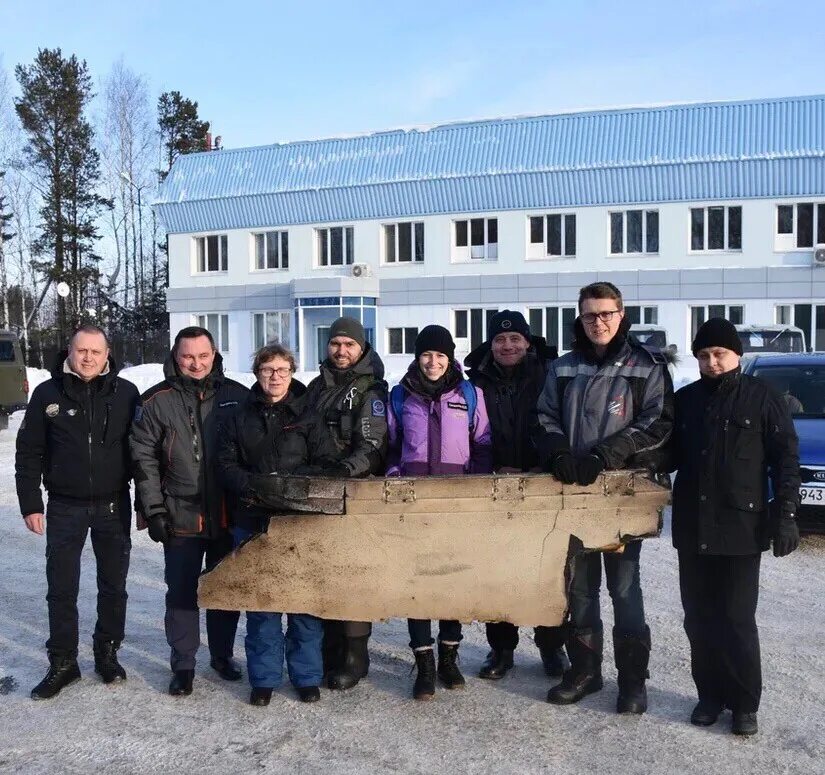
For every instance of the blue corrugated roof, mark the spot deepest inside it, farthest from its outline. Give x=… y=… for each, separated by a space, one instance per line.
x=695 y=151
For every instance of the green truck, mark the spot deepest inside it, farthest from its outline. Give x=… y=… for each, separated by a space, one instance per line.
x=14 y=385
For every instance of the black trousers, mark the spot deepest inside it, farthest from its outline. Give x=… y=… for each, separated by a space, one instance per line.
x=719 y=596
x=184 y=561
x=68 y=521
x=503 y=635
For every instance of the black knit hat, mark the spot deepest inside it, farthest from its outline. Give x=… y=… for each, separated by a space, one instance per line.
x=507 y=322
x=717 y=332
x=350 y=328
x=436 y=339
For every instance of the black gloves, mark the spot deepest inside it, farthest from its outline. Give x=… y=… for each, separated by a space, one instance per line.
x=588 y=469
x=158 y=526
x=564 y=468
x=336 y=471
x=784 y=530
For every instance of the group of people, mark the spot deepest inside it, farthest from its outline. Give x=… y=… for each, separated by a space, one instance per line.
x=201 y=447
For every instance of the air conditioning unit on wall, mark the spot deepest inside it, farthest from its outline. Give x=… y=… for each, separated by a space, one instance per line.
x=361 y=270
x=819 y=256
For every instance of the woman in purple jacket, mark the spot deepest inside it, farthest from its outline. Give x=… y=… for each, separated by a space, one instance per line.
x=441 y=428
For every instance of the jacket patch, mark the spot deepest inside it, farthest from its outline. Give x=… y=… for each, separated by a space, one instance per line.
x=378 y=408
x=138 y=413
x=52 y=410
x=616 y=407
x=456 y=405
x=222 y=404
x=71 y=412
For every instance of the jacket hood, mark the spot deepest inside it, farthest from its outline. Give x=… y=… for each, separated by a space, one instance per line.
x=584 y=346
x=171 y=373
x=481 y=359
x=58 y=371
x=370 y=364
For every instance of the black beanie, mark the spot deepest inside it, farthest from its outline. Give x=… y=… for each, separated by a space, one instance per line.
x=717 y=332
x=350 y=328
x=436 y=339
x=507 y=322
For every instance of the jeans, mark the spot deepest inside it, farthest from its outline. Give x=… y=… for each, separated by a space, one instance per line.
x=623 y=584
x=68 y=521
x=266 y=645
x=503 y=635
x=184 y=561
x=421 y=635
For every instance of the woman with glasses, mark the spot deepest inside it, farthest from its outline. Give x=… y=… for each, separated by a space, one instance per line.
x=271 y=433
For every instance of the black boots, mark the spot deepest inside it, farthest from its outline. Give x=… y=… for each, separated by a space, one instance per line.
x=226 y=668
x=424 y=687
x=448 y=672
x=106 y=664
x=181 y=683
x=632 y=653
x=744 y=724
x=355 y=666
x=497 y=664
x=260 y=697
x=308 y=693
x=63 y=671
x=585 y=674
x=706 y=713
x=555 y=661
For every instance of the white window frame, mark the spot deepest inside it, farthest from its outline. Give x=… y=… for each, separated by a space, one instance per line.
x=464 y=344
x=537 y=251
x=347 y=246
x=262 y=238
x=562 y=338
x=391 y=231
x=263 y=317
x=706 y=225
x=645 y=214
x=469 y=253
x=706 y=306
x=200 y=254
x=810 y=330
x=786 y=242
x=648 y=314
x=405 y=349
x=219 y=331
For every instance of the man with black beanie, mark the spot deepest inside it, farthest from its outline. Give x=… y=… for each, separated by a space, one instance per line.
x=732 y=434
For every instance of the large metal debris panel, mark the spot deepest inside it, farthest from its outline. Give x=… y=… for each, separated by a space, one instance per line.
x=486 y=548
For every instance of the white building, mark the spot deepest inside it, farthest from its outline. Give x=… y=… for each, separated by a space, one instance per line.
x=692 y=210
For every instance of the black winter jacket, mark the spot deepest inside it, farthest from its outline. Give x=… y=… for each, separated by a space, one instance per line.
x=730 y=436
x=353 y=407
x=75 y=435
x=174 y=445
x=264 y=438
x=511 y=401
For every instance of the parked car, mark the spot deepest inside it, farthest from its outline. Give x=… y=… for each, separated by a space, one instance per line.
x=800 y=378
x=14 y=386
x=771 y=339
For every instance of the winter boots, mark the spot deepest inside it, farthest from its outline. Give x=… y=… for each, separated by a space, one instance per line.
x=308 y=693
x=106 y=664
x=260 y=697
x=448 y=672
x=181 y=683
x=585 y=674
x=632 y=654
x=424 y=687
x=555 y=661
x=706 y=713
x=497 y=664
x=63 y=671
x=744 y=724
x=355 y=666
x=226 y=668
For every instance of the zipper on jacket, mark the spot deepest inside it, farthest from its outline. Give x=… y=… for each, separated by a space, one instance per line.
x=90 y=418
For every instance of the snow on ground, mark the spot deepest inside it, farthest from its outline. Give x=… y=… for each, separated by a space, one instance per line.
x=500 y=727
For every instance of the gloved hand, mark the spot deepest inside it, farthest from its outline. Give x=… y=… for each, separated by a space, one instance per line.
x=588 y=469
x=336 y=471
x=158 y=526
x=564 y=468
x=784 y=530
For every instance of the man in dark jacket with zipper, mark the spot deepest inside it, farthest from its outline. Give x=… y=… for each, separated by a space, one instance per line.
x=733 y=433
x=350 y=395
x=174 y=447
x=75 y=437
x=605 y=405
x=510 y=368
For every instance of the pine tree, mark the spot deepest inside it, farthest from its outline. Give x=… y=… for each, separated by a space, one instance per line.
x=181 y=130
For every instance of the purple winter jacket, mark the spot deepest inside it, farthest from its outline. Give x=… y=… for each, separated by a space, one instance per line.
x=434 y=437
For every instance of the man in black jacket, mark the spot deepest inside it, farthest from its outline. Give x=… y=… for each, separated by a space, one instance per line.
x=732 y=434
x=350 y=394
x=174 y=445
x=75 y=437
x=510 y=368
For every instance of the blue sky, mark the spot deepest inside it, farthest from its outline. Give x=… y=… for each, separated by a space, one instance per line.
x=266 y=72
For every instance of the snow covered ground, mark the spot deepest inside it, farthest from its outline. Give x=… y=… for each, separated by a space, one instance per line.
x=500 y=727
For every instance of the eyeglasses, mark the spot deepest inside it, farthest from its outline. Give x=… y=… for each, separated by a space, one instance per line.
x=590 y=318
x=267 y=371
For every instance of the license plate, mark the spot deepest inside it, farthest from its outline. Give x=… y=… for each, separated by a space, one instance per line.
x=812 y=496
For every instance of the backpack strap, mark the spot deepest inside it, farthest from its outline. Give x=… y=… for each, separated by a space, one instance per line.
x=468 y=390
x=397 y=395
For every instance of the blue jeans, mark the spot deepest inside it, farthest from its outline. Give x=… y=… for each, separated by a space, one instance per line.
x=421 y=635
x=623 y=583
x=266 y=645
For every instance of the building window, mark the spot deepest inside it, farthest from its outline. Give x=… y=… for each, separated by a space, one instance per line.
x=552 y=235
x=470 y=327
x=271 y=328
x=272 y=250
x=218 y=326
x=715 y=228
x=642 y=315
x=555 y=324
x=808 y=317
x=735 y=313
x=404 y=243
x=634 y=231
x=401 y=341
x=212 y=253
x=335 y=245
x=800 y=225
x=475 y=239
